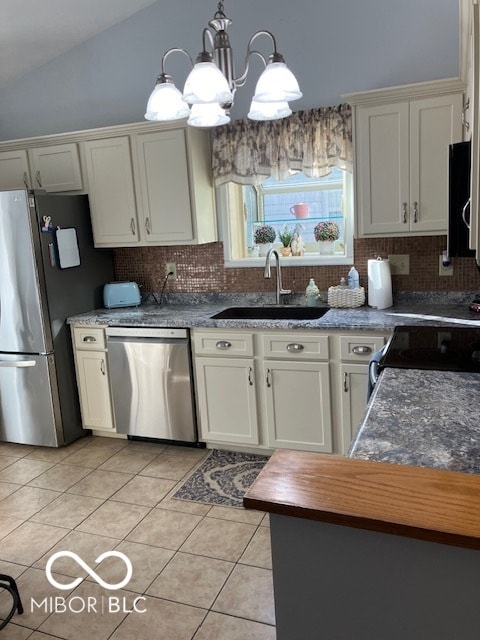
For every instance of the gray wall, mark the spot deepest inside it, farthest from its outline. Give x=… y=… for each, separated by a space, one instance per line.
x=333 y=47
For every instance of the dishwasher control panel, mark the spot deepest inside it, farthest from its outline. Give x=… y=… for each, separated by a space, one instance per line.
x=146 y=332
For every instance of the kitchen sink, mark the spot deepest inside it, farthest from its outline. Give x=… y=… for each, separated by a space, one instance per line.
x=286 y=312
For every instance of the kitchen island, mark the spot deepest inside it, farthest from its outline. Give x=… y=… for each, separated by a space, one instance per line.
x=366 y=549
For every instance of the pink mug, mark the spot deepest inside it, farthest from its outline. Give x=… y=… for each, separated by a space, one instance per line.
x=299 y=210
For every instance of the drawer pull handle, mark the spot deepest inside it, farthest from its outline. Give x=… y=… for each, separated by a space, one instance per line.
x=345 y=382
x=223 y=345
x=404 y=213
x=250 y=376
x=89 y=339
x=295 y=347
x=25 y=180
x=132 y=226
x=38 y=178
x=362 y=350
x=102 y=366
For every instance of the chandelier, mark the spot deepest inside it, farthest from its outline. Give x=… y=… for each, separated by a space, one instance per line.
x=210 y=87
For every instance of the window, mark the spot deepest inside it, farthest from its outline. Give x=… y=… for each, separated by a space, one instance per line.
x=297 y=204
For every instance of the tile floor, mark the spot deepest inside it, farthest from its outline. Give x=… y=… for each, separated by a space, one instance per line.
x=203 y=573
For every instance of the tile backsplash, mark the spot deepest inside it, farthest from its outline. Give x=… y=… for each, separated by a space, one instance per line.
x=200 y=269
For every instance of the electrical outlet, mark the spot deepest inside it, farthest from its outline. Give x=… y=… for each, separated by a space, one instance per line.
x=171 y=267
x=399 y=264
x=442 y=269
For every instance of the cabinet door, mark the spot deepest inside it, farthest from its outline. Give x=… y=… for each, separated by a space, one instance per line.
x=227 y=400
x=56 y=168
x=164 y=193
x=94 y=391
x=14 y=173
x=382 y=168
x=435 y=123
x=111 y=192
x=298 y=409
x=354 y=398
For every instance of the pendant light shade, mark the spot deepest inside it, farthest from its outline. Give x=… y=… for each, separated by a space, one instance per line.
x=277 y=84
x=166 y=103
x=269 y=110
x=206 y=84
x=207 y=115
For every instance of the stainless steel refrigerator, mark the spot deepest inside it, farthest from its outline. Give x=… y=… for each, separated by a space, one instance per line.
x=49 y=270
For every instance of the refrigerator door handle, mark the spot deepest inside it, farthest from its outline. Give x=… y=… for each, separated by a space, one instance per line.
x=17 y=363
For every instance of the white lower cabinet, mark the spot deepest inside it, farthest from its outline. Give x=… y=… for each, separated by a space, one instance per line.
x=297 y=405
x=227 y=400
x=91 y=367
x=300 y=390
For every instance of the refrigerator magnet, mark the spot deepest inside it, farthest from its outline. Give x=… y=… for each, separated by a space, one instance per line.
x=46 y=224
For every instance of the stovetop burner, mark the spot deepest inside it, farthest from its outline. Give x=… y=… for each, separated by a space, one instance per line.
x=440 y=348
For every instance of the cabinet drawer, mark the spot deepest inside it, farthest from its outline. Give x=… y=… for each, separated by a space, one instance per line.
x=219 y=343
x=89 y=337
x=296 y=347
x=360 y=348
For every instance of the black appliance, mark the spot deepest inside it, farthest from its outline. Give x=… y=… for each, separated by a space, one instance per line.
x=439 y=348
x=435 y=348
x=458 y=200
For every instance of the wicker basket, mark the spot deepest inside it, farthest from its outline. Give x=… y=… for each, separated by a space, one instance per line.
x=343 y=297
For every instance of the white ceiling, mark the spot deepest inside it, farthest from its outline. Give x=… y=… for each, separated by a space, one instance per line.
x=33 y=32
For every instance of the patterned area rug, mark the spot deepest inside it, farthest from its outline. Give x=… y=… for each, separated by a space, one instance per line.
x=222 y=478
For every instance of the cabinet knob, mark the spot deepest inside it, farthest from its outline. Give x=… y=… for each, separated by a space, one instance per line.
x=223 y=345
x=38 y=178
x=404 y=213
x=361 y=350
x=295 y=347
x=89 y=339
x=415 y=211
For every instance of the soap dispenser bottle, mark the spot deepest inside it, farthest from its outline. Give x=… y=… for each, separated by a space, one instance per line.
x=312 y=292
x=353 y=279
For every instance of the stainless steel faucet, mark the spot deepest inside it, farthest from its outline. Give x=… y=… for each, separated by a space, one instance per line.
x=280 y=291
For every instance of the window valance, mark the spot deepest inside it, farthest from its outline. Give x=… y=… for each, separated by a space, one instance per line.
x=312 y=141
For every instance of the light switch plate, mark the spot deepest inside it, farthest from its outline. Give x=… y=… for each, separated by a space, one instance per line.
x=399 y=264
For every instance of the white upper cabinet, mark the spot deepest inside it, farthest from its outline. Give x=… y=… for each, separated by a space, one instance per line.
x=164 y=192
x=14 y=170
x=150 y=188
x=111 y=191
x=401 y=164
x=56 y=167
x=53 y=168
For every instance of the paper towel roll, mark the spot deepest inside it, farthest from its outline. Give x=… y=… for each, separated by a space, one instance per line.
x=379 y=284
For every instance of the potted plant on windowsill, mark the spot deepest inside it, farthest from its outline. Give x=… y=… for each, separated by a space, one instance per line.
x=264 y=236
x=325 y=234
x=285 y=237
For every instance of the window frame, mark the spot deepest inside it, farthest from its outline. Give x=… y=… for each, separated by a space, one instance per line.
x=229 y=200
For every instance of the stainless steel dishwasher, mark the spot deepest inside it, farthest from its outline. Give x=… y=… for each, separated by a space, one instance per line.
x=151 y=383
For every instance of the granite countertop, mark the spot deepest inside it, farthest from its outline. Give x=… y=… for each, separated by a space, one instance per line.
x=422 y=418
x=198 y=313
